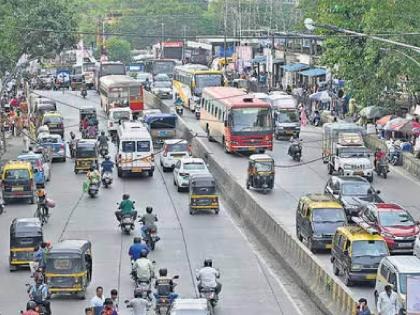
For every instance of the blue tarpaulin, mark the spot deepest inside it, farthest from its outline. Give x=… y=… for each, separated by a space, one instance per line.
x=294 y=67
x=314 y=72
x=259 y=59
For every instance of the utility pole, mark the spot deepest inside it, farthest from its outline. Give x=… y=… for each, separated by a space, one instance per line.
x=224 y=34
x=162 y=39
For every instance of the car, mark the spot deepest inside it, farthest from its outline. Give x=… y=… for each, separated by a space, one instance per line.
x=143 y=76
x=356 y=253
x=172 y=151
x=162 y=77
x=55 y=123
x=394 y=270
x=352 y=192
x=394 y=224
x=190 y=306
x=317 y=218
x=186 y=166
x=40 y=166
x=162 y=89
x=56 y=144
x=115 y=116
x=417 y=246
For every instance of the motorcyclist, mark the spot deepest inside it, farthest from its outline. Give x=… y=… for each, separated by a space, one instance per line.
x=165 y=286
x=93 y=175
x=126 y=208
x=107 y=165
x=137 y=248
x=207 y=277
x=148 y=220
x=42 y=201
x=295 y=146
x=143 y=268
x=39 y=294
x=316 y=118
x=103 y=140
x=138 y=304
x=30 y=309
x=379 y=155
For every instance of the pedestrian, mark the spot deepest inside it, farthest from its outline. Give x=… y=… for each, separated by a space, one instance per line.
x=362 y=307
x=303 y=117
x=138 y=304
x=25 y=139
x=98 y=300
x=388 y=302
x=108 y=308
x=114 y=298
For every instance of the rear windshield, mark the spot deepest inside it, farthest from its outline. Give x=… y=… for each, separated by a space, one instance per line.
x=132 y=146
x=53 y=120
x=49 y=140
x=369 y=248
x=328 y=215
x=47 y=107
x=121 y=115
x=194 y=166
x=28 y=241
x=177 y=147
x=18 y=174
x=36 y=163
x=85 y=151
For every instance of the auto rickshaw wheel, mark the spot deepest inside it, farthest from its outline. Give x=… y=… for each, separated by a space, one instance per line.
x=81 y=294
x=216 y=211
x=191 y=211
x=32 y=200
x=12 y=268
x=119 y=172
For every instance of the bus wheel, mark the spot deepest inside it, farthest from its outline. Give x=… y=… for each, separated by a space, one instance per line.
x=225 y=147
x=209 y=137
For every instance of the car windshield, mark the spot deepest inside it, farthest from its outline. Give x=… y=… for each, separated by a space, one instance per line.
x=64 y=263
x=355 y=189
x=250 y=120
x=288 y=116
x=53 y=120
x=177 y=147
x=162 y=84
x=395 y=218
x=207 y=80
x=328 y=215
x=124 y=115
x=264 y=166
x=49 y=140
x=403 y=281
x=194 y=166
x=369 y=248
x=18 y=174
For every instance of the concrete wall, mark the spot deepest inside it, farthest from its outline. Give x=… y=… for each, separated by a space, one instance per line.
x=327 y=291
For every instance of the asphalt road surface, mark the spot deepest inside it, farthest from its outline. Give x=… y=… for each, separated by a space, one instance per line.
x=249 y=286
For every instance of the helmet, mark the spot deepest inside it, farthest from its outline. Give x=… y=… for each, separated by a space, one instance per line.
x=40 y=193
x=137 y=240
x=208 y=262
x=138 y=292
x=102 y=133
x=149 y=209
x=126 y=197
x=92 y=168
x=31 y=305
x=143 y=254
x=163 y=272
x=107 y=158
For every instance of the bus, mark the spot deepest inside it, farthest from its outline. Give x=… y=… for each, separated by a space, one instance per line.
x=121 y=91
x=190 y=80
x=86 y=71
x=108 y=68
x=237 y=120
x=158 y=66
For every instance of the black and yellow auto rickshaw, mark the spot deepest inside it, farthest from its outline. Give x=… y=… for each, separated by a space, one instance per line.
x=203 y=194
x=85 y=155
x=25 y=235
x=69 y=267
x=260 y=172
x=89 y=113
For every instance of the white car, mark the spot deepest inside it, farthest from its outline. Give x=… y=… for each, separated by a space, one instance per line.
x=173 y=151
x=116 y=115
x=190 y=306
x=417 y=246
x=185 y=167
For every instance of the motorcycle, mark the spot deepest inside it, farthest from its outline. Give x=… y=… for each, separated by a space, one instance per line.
x=179 y=109
x=151 y=237
x=40 y=307
x=382 y=167
x=210 y=295
x=107 y=179
x=127 y=224
x=103 y=151
x=93 y=189
x=295 y=150
x=1 y=206
x=163 y=303
x=84 y=93
x=145 y=289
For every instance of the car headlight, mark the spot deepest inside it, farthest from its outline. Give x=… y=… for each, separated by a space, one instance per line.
x=387 y=235
x=352 y=206
x=356 y=267
x=317 y=236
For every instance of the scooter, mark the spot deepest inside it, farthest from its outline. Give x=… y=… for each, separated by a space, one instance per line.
x=145 y=289
x=179 y=109
x=295 y=150
x=151 y=237
x=107 y=179
x=93 y=189
x=127 y=224
x=382 y=167
x=210 y=295
x=84 y=93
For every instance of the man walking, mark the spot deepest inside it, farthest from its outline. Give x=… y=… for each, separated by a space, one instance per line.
x=388 y=302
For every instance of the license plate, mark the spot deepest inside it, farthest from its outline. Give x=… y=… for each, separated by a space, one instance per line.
x=358 y=173
x=252 y=148
x=405 y=245
x=163 y=133
x=177 y=156
x=371 y=277
x=18 y=188
x=328 y=246
x=136 y=170
x=289 y=132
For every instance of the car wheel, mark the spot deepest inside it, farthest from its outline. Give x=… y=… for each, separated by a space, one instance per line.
x=298 y=234
x=336 y=271
x=119 y=172
x=376 y=296
x=330 y=169
x=341 y=172
x=311 y=245
x=347 y=280
x=179 y=189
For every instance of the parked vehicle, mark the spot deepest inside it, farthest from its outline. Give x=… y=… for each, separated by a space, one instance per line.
x=18 y=182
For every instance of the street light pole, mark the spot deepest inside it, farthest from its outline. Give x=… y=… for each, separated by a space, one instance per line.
x=224 y=35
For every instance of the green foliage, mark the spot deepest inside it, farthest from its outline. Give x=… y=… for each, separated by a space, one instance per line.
x=371 y=67
x=118 y=49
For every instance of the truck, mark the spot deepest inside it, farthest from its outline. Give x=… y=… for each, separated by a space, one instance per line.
x=285 y=115
x=344 y=152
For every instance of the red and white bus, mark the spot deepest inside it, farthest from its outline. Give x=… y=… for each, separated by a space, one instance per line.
x=121 y=91
x=240 y=122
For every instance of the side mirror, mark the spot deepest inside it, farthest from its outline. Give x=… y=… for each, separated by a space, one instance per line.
x=378 y=192
x=126 y=301
x=176 y=277
x=134 y=202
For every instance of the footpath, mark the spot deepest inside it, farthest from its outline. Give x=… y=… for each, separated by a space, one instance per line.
x=14 y=146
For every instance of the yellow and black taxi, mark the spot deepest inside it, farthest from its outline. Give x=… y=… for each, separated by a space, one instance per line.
x=25 y=235
x=86 y=155
x=356 y=253
x=317 y=218
x=55 y=123
x=69 y=267
x=18 y=182
x=203 y=195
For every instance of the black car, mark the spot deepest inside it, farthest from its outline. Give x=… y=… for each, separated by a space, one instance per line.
x=353 y=192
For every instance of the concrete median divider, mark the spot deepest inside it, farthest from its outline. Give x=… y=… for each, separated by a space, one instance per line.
x=325 y=289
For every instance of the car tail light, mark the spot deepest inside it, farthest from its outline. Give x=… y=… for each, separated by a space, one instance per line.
x=61 y=125
x=189 y=149
x=111 y=124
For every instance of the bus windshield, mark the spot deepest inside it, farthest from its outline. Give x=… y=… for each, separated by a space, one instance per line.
x=250 y=120
x=206 y=80
x=163 y=67
x=112 y=69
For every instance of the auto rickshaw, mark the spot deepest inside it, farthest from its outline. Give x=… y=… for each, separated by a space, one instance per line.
x=90 y=113
x=85 y=155
x=203 y=194
x=69 y=267
x=260 y=172
x=25 y=235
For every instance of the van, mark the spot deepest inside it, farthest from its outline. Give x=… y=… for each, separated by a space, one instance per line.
x=394 y=270
x=116 y=116
x=356 y=254
x=135 y=150
x=317 y=218
x=18 y=182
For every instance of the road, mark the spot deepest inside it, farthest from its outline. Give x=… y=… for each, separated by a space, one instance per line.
x=293 y=180
x=249 y=285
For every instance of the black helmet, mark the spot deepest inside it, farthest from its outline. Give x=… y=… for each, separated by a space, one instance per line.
x=103 y=133
x=126 y=197
x=163 y=272
x=149 y=209
x=138 y=292
x=92 y=168
x=208 y=262
x=137 y=240
x=31 y=305
x=143 y=254
x=107 y=157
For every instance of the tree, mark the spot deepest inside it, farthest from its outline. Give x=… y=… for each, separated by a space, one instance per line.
x=371 y=68
x=118 y=49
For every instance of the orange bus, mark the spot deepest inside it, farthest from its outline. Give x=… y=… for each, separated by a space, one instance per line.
x=237 y=120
